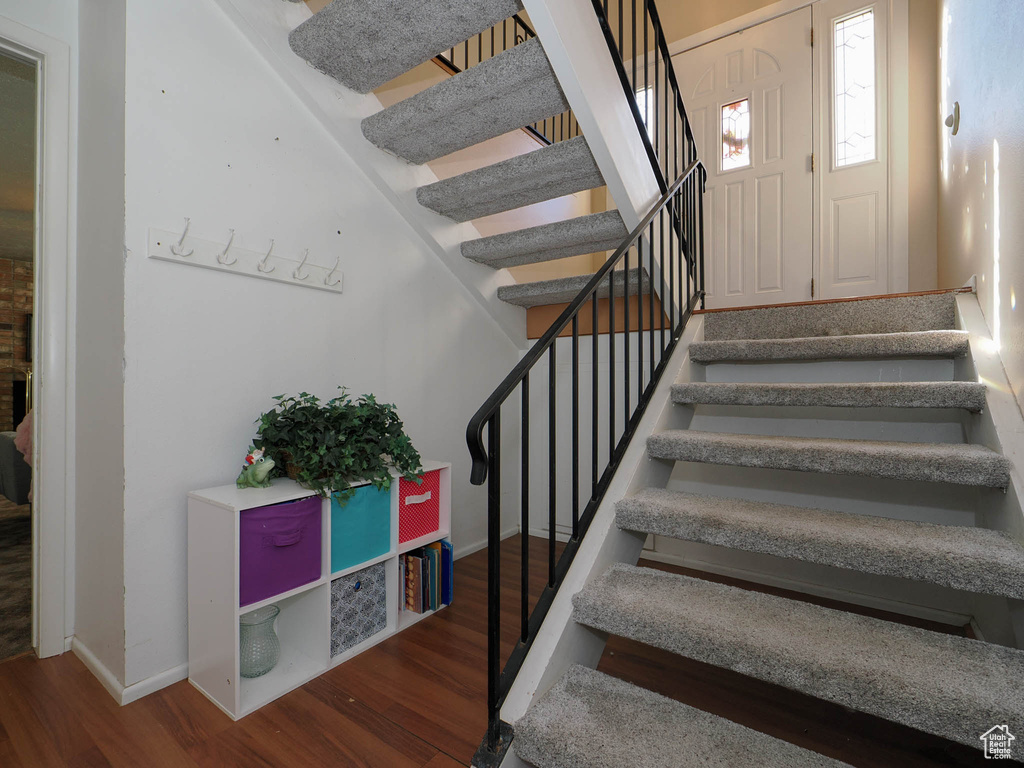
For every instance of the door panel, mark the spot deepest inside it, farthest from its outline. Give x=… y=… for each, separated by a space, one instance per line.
x=758 y=206
x=854 y=178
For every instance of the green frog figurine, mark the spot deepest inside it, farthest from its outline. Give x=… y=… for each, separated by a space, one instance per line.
x=256 y=472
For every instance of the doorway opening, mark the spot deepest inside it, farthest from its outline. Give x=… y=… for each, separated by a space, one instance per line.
x=19 y=88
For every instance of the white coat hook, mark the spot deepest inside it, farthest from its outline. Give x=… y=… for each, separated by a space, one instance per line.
x=327 y=280
x=262 y=265
x=296 y=274
x=222 y=256
x=176 y=249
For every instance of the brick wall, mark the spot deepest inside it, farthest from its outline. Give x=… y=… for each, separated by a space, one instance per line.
x=15 y=303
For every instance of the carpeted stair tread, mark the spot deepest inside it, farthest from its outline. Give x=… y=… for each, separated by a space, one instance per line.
x=543 y=174
x=514 y=89
x=564 y=289
x=863 y=346
x=958 y=463
x=972 y=559
x=590 y=720
x=942 y=684
x=365 y=43
x=573 y=237
x=966 y=395
x=890 y=314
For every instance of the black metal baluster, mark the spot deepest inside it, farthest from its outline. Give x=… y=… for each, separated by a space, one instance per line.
x=524 y=632
x=700 y=196
x=654 y=116
x=594 y=404
x=632 y=24
x=552 y=464
x=493 y=575
x=576 y=427
x=621 y=51
x=640 y=323
x=661 y=268
x=611 y=363
x=625 y=343
x=650 y=249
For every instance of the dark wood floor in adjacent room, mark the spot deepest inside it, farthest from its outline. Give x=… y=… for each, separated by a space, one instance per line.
x=414 y=701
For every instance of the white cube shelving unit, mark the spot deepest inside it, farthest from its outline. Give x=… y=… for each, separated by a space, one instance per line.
x=304 y=623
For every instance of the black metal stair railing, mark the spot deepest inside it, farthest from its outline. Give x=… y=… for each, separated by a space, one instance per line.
x=488 y=44
x=639 y=48
x=654 y=281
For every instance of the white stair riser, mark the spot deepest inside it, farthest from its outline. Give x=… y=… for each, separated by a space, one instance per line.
x=853 y=371
x=907 y=425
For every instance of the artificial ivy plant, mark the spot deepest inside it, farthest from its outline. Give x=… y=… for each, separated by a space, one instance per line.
x=338 y=442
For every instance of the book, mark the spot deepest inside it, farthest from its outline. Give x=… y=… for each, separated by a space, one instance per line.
x=434 y=551
x=414 y=583
x=447 y=572
x=402 y=576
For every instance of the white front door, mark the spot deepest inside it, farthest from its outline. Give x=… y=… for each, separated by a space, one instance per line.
x=749 y=98
x=855 y=148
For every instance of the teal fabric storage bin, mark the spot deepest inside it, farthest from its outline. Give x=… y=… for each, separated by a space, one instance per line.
x=361 y=528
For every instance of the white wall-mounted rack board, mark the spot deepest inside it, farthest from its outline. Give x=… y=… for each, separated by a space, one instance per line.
x=227 y=257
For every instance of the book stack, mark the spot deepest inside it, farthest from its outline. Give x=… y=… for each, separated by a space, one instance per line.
x=427 y=574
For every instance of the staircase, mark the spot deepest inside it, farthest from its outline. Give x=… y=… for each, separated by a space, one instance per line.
x=949 y=686
x=888 y=362
x=366 y=43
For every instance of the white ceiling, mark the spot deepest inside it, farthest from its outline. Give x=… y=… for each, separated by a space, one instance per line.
x=17 y=157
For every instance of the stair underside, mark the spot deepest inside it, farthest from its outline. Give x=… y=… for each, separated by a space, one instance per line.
x=514 y=89
x=565 y=289
x=967 y=395
x=958 y=463
x=866 y=346
x=548 y=242
x=365 y=44
x=972 y=559
x=590 y=720
x=949 y=686
x=892 y=314
x=543 y=174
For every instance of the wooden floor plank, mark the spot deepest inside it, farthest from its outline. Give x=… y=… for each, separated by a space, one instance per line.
x=414 y=701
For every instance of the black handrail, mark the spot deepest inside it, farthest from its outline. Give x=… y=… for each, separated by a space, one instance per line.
x=680 y=273
x=489 y=44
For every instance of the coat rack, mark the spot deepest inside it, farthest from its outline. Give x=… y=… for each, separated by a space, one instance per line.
x=224 y=256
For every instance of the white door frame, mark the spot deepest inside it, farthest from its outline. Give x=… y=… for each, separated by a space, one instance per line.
x=53 y=335
x=898 y=119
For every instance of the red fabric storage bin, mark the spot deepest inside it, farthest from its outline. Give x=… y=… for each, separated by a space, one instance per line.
x=279 y=548
x=419 y=507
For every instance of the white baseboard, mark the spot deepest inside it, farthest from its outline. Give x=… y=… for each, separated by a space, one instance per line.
x=819 y=590
x=67 y=643
x=136 y=691
x=476 y=546
x=107 y=678
x=125 y=694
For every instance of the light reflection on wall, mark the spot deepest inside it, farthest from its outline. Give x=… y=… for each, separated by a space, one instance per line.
x=944 y=106
x=995 y=244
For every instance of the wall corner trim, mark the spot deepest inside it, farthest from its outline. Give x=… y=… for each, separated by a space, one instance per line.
x=125 y=694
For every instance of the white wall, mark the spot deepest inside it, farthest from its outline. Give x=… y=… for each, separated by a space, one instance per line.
x=213 y=134
x=99 y=540
x=981 y=192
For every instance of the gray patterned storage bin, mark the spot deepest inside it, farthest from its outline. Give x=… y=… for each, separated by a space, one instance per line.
x=358 y=607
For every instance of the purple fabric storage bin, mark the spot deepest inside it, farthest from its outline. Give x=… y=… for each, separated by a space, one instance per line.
x=279 y=548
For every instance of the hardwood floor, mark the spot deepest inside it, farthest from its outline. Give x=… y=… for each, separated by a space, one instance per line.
x=414 y=701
